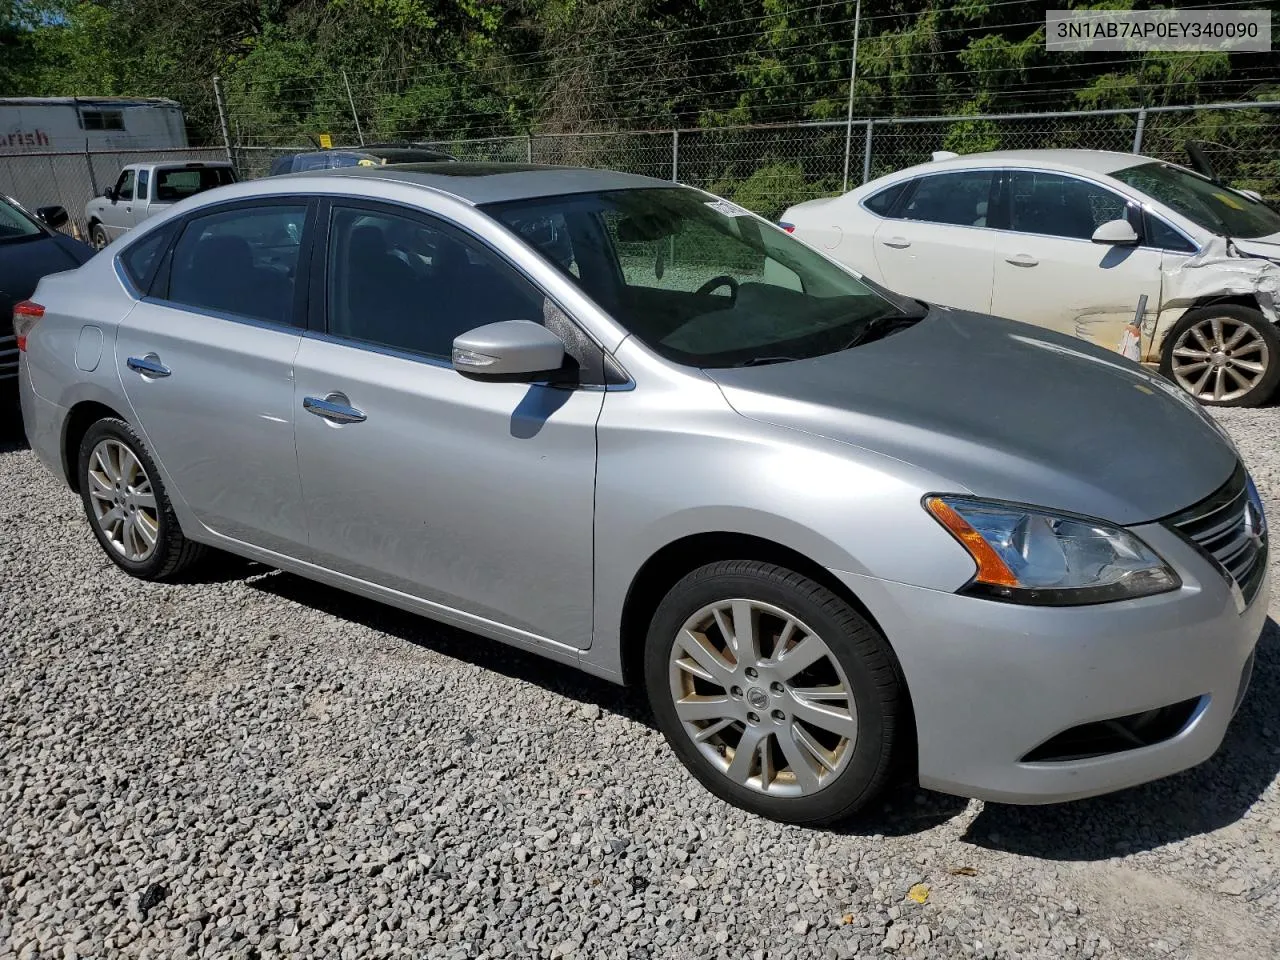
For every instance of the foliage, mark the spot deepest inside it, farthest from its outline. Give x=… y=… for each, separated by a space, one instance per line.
x=445 y=69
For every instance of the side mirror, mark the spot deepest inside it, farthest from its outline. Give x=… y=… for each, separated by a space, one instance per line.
x=54 y=216
x=110 y=194
x=518 y=350
x=1117 y=233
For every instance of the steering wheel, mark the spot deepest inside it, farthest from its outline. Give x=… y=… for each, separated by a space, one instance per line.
x=724 y=280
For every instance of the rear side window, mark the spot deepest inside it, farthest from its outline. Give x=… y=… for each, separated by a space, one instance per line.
x=141 y=258
x=959 y=199
x=177 y=184
x=143 y=177
x=883 y=202
x=1060 y=206
x=242 y=262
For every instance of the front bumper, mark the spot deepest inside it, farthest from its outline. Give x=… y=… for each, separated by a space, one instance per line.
x=990 y=681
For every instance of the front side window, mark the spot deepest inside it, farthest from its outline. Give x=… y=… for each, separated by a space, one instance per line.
x=124 y=186
x=699 y=280
x=1160 y=235
x=1203 y=202
x=1058 y=206
x=179 y=183
x=960 y=199
x=15 y=225
x=242 y=261
x=413 y=283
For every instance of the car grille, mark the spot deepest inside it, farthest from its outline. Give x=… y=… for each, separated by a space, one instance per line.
x=8 y=357
x=1227 y=528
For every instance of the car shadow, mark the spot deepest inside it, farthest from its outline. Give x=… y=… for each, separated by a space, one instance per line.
x=459 y=644
x=1213 y=795
x=12 y=435
x=1208 y=797
x=904 y=809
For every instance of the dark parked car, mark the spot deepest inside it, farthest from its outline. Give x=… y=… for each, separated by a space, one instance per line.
x=30 y=247
x=373 y=154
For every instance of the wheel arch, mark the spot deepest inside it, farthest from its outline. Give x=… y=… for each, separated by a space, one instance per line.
x=1169 y=318
x=79 y=419
x=670 y=563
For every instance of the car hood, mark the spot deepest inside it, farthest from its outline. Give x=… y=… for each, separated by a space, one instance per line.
x=1268 y=246
x=24 y=262
x=1005 y=411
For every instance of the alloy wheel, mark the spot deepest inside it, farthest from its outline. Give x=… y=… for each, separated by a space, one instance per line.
x=1220 y=359
x=763 y=698
x=123 y=500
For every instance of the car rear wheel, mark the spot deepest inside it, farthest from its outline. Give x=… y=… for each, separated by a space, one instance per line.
x=98 y=236
x=1226 y=355
x=127 y=507
x=775 y=693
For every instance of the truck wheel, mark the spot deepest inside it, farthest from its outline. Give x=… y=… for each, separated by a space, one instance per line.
x=98 y=236
x=1226 y=355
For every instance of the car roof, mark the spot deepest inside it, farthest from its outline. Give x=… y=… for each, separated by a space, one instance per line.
x=480 y=183
x=1072 y=161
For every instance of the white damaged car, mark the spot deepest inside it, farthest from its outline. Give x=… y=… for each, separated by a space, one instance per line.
x=1134 y=254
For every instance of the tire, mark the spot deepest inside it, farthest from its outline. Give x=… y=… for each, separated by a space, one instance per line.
x=1239 y=335
x=98 y=236
x=857 y=661
x=140 y=495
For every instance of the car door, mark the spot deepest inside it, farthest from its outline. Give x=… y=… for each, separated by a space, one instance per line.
x=207 y=364
x=117 y=217
x=475 y=496
x=934 y=246
x=141 y=197
x=1049 y=272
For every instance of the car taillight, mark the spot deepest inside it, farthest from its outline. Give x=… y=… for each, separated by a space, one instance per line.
x=789 y=227
x=25 y=316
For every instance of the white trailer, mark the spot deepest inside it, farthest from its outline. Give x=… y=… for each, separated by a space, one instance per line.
x=66 y=124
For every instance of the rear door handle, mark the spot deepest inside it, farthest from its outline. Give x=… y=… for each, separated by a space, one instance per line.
x=148 y=366
x=898 y=243
x=335 y=408
x=1022 y=260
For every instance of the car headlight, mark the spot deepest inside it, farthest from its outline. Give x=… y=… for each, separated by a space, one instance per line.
x=1026 y=555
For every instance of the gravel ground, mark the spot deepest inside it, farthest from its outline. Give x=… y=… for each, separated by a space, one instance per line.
x=254 y=766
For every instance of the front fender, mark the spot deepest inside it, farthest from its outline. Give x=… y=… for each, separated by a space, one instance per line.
x=667 y=471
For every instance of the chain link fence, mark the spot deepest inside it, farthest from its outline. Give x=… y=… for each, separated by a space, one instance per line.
x=70 y=180
x=768 y=168
x=764 y=168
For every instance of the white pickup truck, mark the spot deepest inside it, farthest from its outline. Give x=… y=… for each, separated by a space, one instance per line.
x=143 y=189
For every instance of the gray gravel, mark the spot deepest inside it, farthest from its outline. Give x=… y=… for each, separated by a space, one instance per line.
x=254 y=766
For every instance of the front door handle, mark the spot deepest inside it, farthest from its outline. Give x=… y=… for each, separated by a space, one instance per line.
x=1022 y=260
x=335 y=408
x=149 y=366
x=898 y=243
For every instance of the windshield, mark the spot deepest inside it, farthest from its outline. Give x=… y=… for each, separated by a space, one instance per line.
x=698 y=280
x=15 y=224
x=1213 y=207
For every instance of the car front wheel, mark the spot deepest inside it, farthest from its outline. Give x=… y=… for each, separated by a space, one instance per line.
x=1227 y=355
x=775 y=693
x=98 y=236
x=127 y=507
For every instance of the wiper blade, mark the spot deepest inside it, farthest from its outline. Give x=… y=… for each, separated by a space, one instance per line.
x=763 y=361
x=883 y=324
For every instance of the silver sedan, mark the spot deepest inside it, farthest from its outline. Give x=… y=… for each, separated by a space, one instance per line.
x=630 y=426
